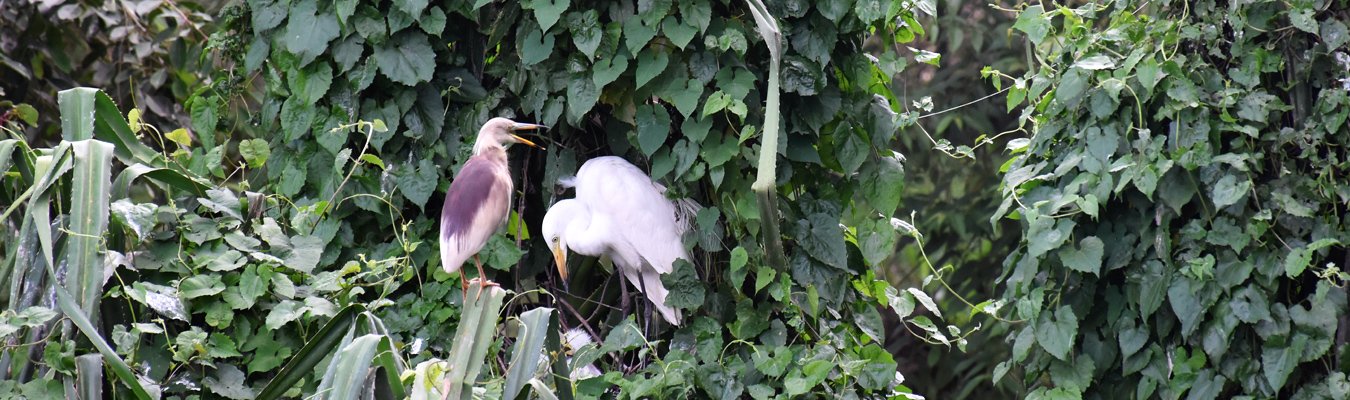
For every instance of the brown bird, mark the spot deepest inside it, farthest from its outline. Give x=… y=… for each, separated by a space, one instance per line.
x=478 y=201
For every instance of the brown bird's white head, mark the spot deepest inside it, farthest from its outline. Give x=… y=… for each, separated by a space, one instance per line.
x=498 y=132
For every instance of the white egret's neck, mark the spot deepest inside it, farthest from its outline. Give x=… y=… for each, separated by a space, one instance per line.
x=583 y=233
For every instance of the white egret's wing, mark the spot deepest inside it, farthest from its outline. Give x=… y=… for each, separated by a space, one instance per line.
x=642 y=216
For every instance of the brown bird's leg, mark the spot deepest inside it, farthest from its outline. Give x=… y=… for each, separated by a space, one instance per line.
x=463 y=287
x=483 y=282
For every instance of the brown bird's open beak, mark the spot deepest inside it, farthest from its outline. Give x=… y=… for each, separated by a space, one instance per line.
x=526 y=127
x=560 y=257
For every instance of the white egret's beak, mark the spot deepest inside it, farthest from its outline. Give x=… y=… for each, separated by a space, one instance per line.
x=526 y=127
x=560 y=257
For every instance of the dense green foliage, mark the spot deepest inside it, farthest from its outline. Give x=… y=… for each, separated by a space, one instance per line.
x=148 y=53
x=370 y=106
x=595 y=73
x=1182 y=200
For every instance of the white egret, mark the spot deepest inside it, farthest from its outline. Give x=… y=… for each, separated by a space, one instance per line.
x=478 y=201
x=621 y=213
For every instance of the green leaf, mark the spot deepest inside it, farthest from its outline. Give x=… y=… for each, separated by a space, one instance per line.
x=416 y=184
x=1304 y=19
x=1034 y=23
x=651 y=63
x=1278 y=362
x=27 y=113
x=307 y=250
x=1228 y=190
x=140 y=218
x=581 y=97
x=1086 y=258
x=685 y=288
x=850 y=148
x=312 y=83
x=255 y=152
x=535 y=47
x=926 y=301
x=201 y=285
x=285 y=312
x=204 y=120
x=608 y=70
x=869 y=11
x=179 y=136
x=1095 y=62
x=1298 y=259
x=411 y=7
x=717 y=101
x=653 y=126
x=308 y=32
x=636 y=34
x=586 y=32
x=684 y=96
x=883 y=183
x=1057 y=334
x=820 y=235
x=407 y=58
x=547 y=13
x=679 y=34
x=811 y=375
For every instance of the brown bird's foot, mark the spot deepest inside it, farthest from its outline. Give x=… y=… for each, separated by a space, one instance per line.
x=482 y=285
x=482 y=279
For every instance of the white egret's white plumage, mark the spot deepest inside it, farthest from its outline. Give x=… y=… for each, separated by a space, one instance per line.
x=621 y=213
x=479 y=198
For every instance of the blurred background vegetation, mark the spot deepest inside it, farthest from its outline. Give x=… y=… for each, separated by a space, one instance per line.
x=162 y=56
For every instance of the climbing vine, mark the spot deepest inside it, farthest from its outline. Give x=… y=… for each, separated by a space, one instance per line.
x=1181 y=198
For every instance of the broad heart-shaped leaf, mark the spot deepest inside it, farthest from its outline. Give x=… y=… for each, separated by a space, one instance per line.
x=305 y=253
x=411 y=7
x=1228 y=190
x=819 y=234
x=1086 y=258
x=636 y=35
x=679 y=34
x=407 y=58
x=416 y=184
x=535 y=47
x=547 y=12
x=140 y=218
x=1278 y=362
x=653 y=126
x=267 y=14
x=255 y=152
x=684 y=96
x=1033 y=22
x=850 y=148
x=581 y=97
x=651 y=62
x=200 y=285
x=1298 y=259
x=307 y=32
x=870 y=11
x=608 y=70
x=311 y=83
x=882 y=181
x=586 y=32
x=1056 y=335
x=686 y=290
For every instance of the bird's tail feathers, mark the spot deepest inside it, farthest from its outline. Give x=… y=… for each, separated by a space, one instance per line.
x=656 y=293
x=686 y=210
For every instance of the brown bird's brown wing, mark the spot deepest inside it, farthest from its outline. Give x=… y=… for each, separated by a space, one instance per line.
x=475 y=206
